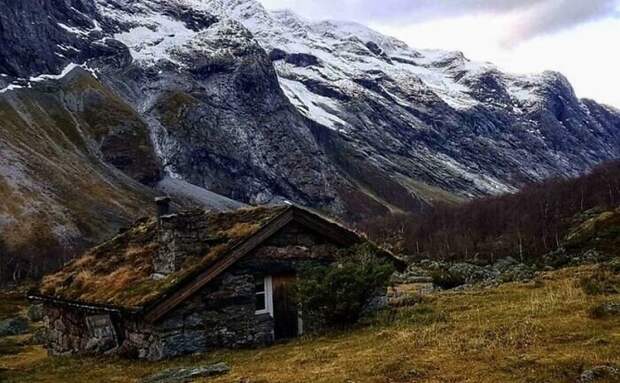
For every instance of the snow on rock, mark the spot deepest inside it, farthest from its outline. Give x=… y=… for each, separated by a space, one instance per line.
x=63 y=73
x=156 y=38
x=73 y=30
x=10 y=88
x=318 y=108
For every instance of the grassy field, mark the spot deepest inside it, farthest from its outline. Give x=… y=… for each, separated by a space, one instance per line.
x=541 y=331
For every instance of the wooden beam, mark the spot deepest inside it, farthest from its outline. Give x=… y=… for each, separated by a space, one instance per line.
x=219 y=267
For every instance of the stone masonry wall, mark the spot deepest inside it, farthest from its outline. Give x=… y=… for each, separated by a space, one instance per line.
x=73 y=331
x=180 y=236
x=222 y=315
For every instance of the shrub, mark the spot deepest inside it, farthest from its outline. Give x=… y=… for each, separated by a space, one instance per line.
x=447 y=280
x=336 y=295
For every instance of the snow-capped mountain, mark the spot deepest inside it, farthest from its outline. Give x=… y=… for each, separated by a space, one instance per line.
x=265 y=106
x=494 y=129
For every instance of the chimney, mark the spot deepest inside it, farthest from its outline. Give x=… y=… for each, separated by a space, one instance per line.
x=181 y=235
x=163 y=206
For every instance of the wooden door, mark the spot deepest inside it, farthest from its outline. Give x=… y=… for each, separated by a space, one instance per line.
x=284 y=308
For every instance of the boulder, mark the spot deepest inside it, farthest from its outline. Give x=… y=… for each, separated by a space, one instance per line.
x=14 y=326
x=517 y=272
x=471 y=273
x=606 y=310
x=599 y=373
x=189 y=374
x=504 y=264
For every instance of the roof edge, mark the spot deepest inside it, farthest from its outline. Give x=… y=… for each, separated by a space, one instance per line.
x=33 y=296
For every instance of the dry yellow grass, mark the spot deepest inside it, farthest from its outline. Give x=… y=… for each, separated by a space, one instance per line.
x=530 y=333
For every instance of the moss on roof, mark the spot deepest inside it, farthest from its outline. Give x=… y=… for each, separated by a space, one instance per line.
x=118 y=272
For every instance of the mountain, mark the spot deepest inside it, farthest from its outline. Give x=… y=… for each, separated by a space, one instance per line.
x=104 y=103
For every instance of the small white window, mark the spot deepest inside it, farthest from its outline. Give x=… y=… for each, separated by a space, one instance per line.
x=264 y=296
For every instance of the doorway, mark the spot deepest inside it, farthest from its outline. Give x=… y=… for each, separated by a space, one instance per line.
x=285 y=312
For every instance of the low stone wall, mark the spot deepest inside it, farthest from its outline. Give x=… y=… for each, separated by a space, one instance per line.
x=73 y=331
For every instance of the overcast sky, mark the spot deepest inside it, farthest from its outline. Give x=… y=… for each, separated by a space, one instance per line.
x=580 y=38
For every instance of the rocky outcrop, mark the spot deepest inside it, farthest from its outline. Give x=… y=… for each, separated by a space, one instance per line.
x=600 y=373
x=186 y=375
x=448 y=275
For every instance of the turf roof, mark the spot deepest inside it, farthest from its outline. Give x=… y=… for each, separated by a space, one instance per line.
x=118 y=272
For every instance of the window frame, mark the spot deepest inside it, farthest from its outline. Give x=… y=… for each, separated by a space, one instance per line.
x=268 y=296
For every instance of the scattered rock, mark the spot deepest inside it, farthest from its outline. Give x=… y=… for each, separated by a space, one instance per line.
x=463 y=275
x=35 y=313
x=471 y=273
x=14 y=326
x=598 y=373
x=505 y=263
x=187 y=375
x=606 y=310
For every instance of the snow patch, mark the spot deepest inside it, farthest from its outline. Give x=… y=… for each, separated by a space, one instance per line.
x=157 y=38
x=10 y=87
x=44 y=77
x=48 y=77
x=318 y=108
x=75 y=31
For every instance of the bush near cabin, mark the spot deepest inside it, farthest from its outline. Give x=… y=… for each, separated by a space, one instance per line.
x=336 y=295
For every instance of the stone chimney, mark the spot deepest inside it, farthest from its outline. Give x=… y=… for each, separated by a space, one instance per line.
x=181 y=235
x=163 y=206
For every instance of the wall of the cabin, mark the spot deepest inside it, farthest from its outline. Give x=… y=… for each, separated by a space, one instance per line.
x=222 y=315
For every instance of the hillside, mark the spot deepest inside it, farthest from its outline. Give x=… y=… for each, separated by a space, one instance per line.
x=541 y=331
x=557 y=218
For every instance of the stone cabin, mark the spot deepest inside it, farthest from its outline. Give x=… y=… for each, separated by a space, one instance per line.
x=189 y=282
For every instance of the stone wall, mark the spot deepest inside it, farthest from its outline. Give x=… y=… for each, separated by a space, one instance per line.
x=222 y=315
x=73 y=331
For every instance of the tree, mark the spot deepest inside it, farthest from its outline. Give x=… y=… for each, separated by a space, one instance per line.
x=335 y=295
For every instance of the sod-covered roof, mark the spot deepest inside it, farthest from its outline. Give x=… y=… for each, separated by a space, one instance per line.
x=118 y=273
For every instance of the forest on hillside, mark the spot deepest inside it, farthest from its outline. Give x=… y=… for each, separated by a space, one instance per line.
x=524 y=225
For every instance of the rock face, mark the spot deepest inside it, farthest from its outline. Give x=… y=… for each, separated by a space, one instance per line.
x=335 y=116
x=427 y=118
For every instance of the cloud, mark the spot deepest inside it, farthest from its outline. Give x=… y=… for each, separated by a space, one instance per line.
x=530 y=18
x=556 y=15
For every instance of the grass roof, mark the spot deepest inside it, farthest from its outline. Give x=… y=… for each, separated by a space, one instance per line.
x=119 y=272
